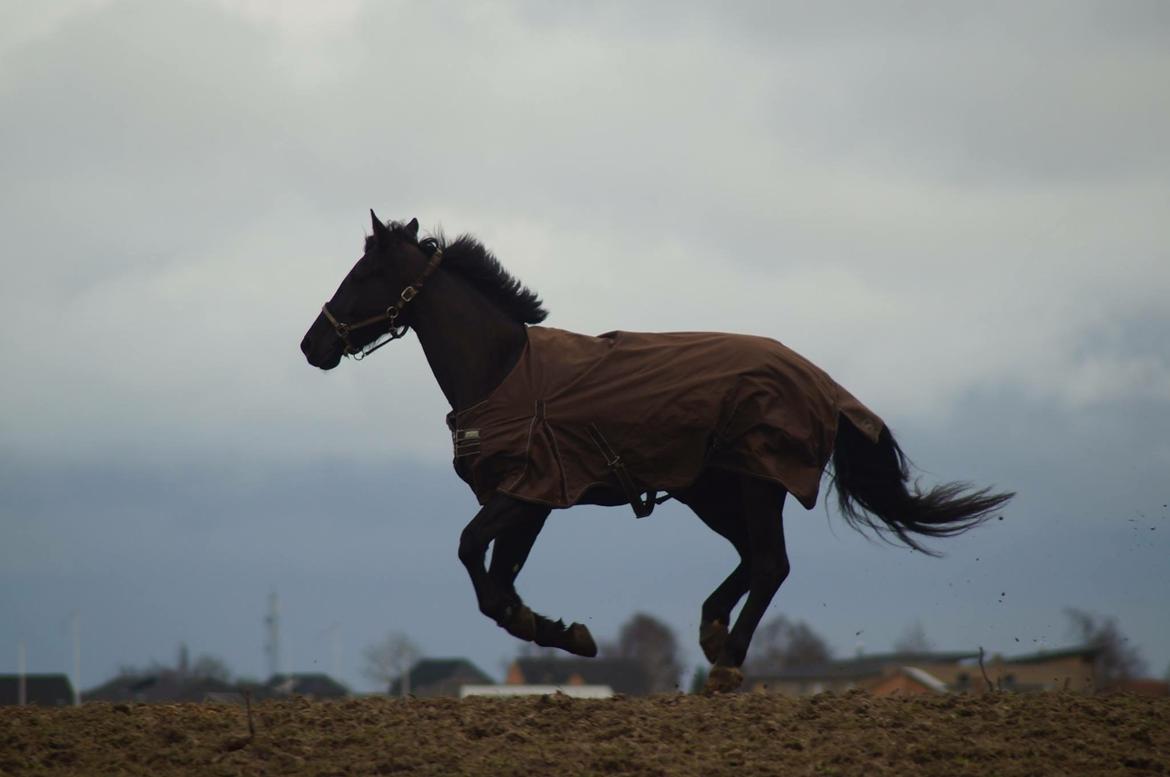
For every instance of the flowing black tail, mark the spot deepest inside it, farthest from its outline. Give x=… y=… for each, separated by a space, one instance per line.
x=872 y=479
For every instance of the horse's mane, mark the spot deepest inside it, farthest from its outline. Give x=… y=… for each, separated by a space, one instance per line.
x=468 y=258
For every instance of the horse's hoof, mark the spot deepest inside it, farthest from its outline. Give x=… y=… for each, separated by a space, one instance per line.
x=712 y=637
x=522 y=624
x=723 y=679
x=579 y=641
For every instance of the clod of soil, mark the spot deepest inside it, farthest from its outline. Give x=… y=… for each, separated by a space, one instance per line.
x=739 y=734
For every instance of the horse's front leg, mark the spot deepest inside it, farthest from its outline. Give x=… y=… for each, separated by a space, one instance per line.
x=510 y=550
x=513 y=526
x=502 y=516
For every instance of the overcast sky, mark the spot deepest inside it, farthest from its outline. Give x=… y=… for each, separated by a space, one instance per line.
x=959 y=210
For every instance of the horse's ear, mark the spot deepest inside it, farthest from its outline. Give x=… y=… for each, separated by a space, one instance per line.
x=412 y=229
x=380 y=231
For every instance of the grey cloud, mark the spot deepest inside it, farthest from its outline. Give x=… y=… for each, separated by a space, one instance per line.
x=179 y=189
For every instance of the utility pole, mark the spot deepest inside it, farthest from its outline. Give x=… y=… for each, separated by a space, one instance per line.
x=335 y=650
x=272 y=645
x=21 y=674
x=76 y=658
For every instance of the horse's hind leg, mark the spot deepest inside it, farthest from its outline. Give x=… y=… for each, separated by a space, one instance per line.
x=715 y=498
x=717 y=612
x=763 y=503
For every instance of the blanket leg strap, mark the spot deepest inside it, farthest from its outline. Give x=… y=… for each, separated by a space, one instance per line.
x=643 y=506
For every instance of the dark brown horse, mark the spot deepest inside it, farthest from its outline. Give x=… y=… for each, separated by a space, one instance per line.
x=544 y=419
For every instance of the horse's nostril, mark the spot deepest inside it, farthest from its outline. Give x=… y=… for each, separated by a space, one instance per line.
x=306 y=345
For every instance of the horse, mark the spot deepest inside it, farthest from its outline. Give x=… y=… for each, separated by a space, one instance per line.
x=545 y=419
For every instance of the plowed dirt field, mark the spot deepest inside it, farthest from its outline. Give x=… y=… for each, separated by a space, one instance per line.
x=952 y=735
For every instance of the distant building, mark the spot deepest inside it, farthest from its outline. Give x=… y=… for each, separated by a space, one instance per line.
x=169 y=685
x=162 y=685
x=441 y=677
x=313 y=685
x=184 y=682
x=1071 y=669
x=45 y=690
x=906 y=681
x=881 y=672
x=623 y=675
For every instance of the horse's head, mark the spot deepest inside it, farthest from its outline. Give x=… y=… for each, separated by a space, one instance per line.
x=371 y=304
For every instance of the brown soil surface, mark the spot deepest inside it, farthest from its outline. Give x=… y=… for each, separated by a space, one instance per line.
x=1054 y=734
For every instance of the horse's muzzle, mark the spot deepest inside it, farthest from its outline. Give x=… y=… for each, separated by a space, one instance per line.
x=323 y=356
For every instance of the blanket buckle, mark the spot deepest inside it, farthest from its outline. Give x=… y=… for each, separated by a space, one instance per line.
x=642 y=506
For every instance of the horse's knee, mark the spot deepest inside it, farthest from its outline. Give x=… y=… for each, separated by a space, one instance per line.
x=471 y=547
x=770 y=572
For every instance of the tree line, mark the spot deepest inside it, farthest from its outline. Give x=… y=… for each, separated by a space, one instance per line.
x=780 y=644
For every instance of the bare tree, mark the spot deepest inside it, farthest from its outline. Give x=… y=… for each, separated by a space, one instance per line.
x=783 y=644
x=391 y=659
x=210 y=668
x=652 y=644
x=913 y=640
x=1117 y=659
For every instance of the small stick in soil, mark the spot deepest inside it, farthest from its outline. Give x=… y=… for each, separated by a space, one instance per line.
x=983 y=669
x=239 y=743
x=248 y=706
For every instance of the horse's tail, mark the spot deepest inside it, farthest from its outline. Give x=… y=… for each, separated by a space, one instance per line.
x=872 y=481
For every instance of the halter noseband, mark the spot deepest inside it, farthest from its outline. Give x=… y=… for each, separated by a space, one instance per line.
x=396 y=330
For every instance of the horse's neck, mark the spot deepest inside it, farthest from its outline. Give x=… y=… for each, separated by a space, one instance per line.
x=469 y=343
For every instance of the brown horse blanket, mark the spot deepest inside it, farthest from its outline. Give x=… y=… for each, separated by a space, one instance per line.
x=668 y=404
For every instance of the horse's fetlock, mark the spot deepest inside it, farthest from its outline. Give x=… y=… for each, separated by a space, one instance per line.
x=494 y=608
x=712 y=638
x=723 y=679
x=734 y=652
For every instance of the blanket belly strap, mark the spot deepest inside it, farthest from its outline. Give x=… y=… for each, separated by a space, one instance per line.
x=643 y=506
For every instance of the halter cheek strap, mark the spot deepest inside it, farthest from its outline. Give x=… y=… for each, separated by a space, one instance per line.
x=392 y=313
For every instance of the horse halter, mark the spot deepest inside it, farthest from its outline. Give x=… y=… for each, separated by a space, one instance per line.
x=396 y=330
